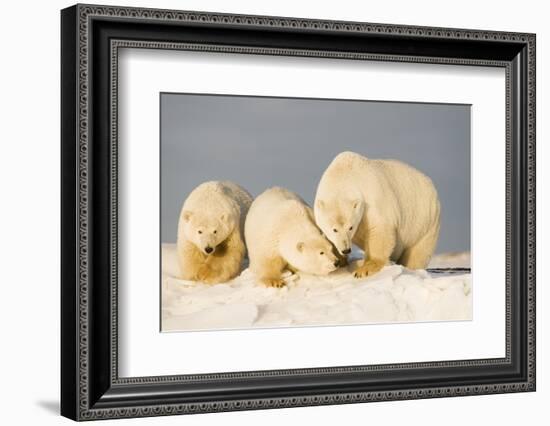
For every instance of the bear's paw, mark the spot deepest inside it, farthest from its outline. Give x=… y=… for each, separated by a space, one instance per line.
x=369 y=267
x=206 y=275
x=273 y=282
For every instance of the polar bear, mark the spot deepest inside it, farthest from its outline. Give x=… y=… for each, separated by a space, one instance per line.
x=280 y=234
x=210 y=241
x=386 y=207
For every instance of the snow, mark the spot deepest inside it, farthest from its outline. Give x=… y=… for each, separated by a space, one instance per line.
x=395 y=294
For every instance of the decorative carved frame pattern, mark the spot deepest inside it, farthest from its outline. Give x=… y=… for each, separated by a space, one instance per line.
x=85 y=13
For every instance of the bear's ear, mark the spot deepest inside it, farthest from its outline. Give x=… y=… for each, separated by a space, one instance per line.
x=186 y=215
x=320 y=204
x=300 y=246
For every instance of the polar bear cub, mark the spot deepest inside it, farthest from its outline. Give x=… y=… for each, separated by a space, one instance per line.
x=210 y=242
x=280 y=234
x=387 y=208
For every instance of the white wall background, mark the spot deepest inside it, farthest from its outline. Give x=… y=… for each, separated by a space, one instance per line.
x=29 y=213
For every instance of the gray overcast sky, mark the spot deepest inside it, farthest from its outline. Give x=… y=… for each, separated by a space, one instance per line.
x=261 y=142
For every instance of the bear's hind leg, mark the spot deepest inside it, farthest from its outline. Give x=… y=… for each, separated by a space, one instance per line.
x=419 y=255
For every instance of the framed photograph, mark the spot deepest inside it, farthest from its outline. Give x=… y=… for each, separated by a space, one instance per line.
x=263 y=212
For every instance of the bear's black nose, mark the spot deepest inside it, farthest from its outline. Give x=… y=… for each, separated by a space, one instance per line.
x=346 y=251
x=208 y=250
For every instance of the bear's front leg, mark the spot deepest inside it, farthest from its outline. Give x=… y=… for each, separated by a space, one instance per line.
x=270 y=272
x=225 y=263
x=276 y=282
x=190 y=261
x=379 y=246
x=369 y=267
x=207 y=274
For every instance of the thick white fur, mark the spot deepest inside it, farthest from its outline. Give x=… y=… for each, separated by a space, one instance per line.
x=212 y=217
x=281 y=234
x=386 y=207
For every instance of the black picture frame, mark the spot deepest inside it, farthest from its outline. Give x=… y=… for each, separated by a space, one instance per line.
x=90 y=386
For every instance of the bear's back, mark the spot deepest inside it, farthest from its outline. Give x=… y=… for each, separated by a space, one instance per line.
x=220 y=191
x=215 y=197
x=405 y=180
x=416 y=196
x=354 y=170
x=276 y=202
x=274 y=210
x=241 y=196
x=343 y=177
x=203 y=194
x=237 y=193
x=345 y=167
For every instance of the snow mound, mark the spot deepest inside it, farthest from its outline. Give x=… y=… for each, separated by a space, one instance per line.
x=395 y=294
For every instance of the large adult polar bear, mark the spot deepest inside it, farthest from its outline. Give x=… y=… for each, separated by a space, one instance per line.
x=387 y=208
x=281 y=235
x=210 y=232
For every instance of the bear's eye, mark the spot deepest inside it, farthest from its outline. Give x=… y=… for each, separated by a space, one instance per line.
x=215 y=231
x=200 y=232
x=335 y=230
x=322 y=253
x=350 y=228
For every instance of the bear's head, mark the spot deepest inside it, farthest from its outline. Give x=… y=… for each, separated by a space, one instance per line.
x=207 y=229
x=339 y=219
x=311 y=254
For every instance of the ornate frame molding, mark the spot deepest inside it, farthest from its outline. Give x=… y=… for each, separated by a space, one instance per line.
x=79 y=21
